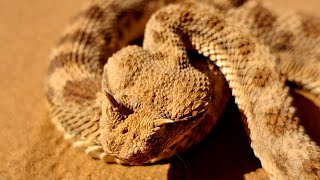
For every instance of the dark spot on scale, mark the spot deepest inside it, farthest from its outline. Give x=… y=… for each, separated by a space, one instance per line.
x=124 y=131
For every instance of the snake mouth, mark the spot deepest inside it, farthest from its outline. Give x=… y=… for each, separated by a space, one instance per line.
x=137 y=155
x=158 y=145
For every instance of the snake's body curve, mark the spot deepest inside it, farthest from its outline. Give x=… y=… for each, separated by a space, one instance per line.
x=145 y=104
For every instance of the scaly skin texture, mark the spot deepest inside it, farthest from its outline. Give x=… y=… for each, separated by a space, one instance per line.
x=147 y=103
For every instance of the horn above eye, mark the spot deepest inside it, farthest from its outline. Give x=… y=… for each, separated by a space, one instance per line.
x=113 y=102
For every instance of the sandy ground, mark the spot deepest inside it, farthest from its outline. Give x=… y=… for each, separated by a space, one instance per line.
x=31 y=147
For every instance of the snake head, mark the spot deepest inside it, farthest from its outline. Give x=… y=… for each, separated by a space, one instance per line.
x=135 y=138
x=149 y=104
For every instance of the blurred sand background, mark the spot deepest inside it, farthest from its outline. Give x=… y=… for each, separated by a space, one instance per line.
x=31 y=147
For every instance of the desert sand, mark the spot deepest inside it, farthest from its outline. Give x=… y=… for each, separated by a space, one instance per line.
x=32 y=148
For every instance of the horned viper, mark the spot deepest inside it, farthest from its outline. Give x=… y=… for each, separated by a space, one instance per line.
x=141 y=104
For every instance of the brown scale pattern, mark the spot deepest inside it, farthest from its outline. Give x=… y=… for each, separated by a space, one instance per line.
x=297 y=52
x=158 y=100
x=311 y=26
x=81 y=91
x=263 y=18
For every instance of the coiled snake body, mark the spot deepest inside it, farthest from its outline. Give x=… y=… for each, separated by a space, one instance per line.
x=143 y=104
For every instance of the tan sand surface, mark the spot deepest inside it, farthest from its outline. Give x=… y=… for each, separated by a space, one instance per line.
x=31 y=147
